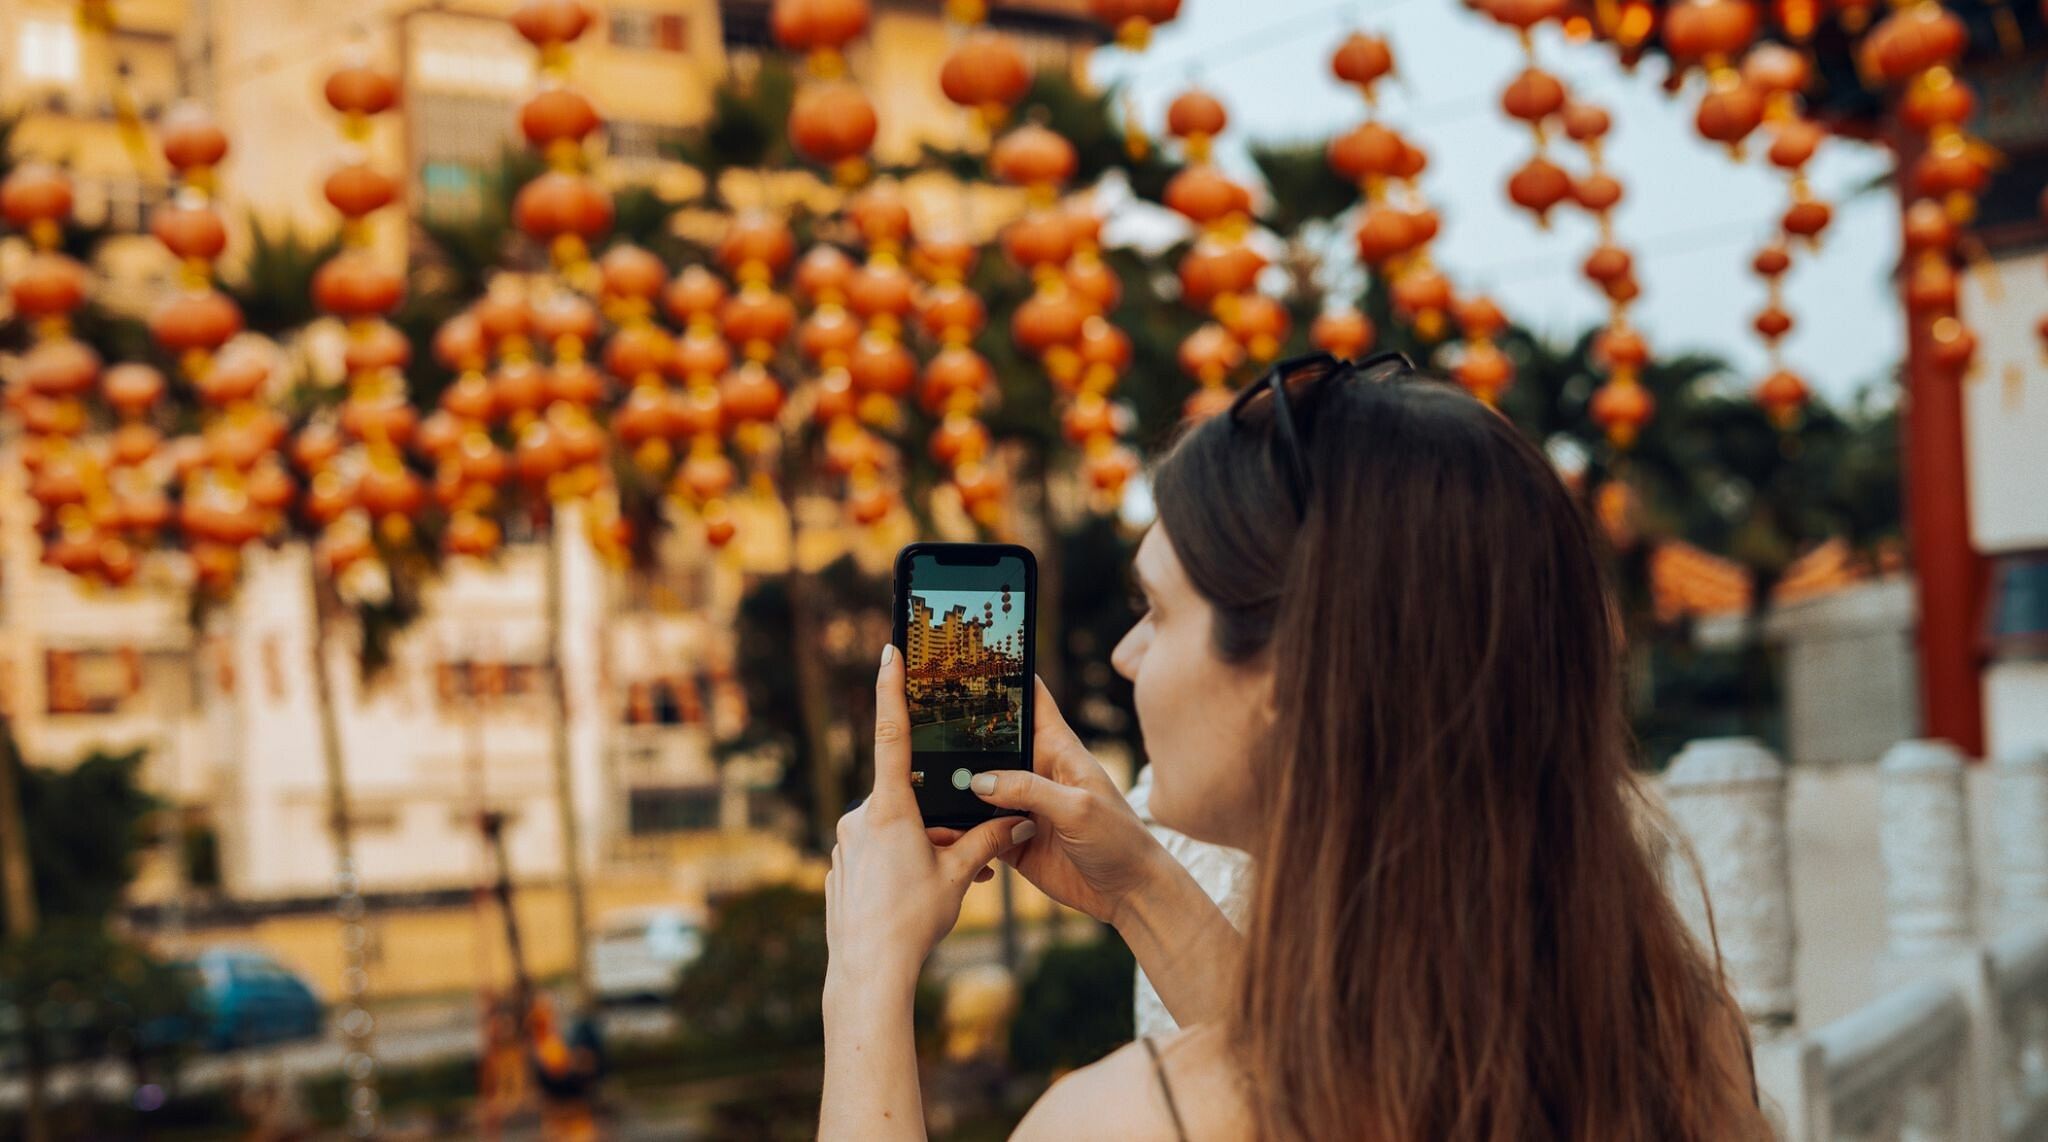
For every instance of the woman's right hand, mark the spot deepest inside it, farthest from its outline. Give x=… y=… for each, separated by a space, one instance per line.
x=1091 y=852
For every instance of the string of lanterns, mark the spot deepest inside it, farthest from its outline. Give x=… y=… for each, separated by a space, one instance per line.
x=1913 y=51
x=1621 y=405
x=548 y=391
x=1220 y=270
x=986 y=75
x=370 y=494
x=685 y=401
x=1394 y=222
x=224 y=505
x=83 y=508
x=1781 y=74
x=879 y=367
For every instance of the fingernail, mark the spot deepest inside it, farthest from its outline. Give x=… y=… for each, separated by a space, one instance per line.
x=1024 y=832
x=983 y=783
x=888 y=653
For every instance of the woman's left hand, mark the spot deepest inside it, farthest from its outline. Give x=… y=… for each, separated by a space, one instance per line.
x=892 y=894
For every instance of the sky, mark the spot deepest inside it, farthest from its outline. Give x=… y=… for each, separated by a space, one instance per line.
x=1004 y=625
x=1692 y=216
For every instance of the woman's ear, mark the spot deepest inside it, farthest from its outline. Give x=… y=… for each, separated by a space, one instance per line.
x=1268 y=689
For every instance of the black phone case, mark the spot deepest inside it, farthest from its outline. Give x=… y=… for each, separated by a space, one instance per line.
x=940 y=803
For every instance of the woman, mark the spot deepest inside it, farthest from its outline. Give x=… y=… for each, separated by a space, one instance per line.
x=1378 y=655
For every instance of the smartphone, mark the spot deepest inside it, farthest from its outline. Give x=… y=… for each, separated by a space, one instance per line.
x=964 y=617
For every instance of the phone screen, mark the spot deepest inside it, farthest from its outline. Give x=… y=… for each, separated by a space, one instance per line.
x=964 y=620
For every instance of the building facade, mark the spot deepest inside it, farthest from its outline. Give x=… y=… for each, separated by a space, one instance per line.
x=459 y=720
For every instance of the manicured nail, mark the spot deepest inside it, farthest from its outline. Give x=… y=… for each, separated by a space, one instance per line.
x=888 y=653
x=983 y=783
x=1024 y=832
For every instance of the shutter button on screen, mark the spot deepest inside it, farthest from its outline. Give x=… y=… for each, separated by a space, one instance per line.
x=961 y=777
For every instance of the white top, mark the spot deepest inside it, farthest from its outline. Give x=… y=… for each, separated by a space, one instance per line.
x=1222 y=872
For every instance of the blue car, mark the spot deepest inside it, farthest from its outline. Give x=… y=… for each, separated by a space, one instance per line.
x=249 y=999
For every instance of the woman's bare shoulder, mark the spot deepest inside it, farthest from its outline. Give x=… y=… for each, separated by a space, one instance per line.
x=1119 y=1095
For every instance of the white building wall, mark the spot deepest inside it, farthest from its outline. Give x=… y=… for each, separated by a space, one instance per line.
x=2005 y=406
x=2006 y=420
x=408 y=759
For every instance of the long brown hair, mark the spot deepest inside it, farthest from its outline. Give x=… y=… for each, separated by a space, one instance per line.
x=1456 y=930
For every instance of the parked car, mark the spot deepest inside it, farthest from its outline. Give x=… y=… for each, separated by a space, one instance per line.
x=249 y=999
x=638 y=953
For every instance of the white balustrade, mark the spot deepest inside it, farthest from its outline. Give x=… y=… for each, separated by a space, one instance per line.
x=2019 y=823
x=1930 y=895
x=1727 y=797
x=1957 y=1049
x=2019 y=973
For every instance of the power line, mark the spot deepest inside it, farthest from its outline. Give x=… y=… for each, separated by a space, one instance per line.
x=1684 y=240
x=1264 y=38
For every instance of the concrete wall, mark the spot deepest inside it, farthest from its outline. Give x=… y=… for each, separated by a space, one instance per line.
x=1849 y=672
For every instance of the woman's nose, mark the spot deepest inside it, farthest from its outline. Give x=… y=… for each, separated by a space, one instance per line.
x=1128 y=651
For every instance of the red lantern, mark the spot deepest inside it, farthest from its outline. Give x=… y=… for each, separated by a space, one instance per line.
x=1538 y=186
x=35 y=194
x=1344 y=333
x=832 y=122
x=359 y=189
x=1782 y=394
x=694 y=295
x=191 y=140
x=985 y=73
x=1622 y=410
x=1361 y=60
x=1715 y=31
x=359 y=89
x=195 y=320
x=190 y=231
x=1485 y=370
x=132 y=389
x=750 y=394
x=1533 y=96
x=1196 y=114
x=352 y=285
x=60 y=367
x=558 y=204
x=1033 y=155
x=545 y=23
x=557 y=115
x=51 y=285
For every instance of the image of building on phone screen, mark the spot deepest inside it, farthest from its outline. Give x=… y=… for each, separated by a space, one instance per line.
x=966 y=670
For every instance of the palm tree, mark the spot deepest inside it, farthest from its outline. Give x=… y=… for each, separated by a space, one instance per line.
x=274 y=288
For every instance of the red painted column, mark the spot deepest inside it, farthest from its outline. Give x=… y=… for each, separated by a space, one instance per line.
x=1950 y=577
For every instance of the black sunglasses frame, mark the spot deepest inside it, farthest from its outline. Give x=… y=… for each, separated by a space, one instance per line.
x=1290 y=458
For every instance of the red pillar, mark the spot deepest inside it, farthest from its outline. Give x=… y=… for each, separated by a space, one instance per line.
x=1949 y=574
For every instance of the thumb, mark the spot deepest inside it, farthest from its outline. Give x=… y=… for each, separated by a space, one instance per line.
x=986 y=841
x=1056 y=750
x=1023 y=789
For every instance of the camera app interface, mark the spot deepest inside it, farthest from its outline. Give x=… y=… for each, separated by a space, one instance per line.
x=965 y=657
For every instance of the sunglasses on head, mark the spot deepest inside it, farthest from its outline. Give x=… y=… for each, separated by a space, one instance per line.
x=1294 y=383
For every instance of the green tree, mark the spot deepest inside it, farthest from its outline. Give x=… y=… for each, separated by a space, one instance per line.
x=73 y=989
x=761 y=978
x=274 y=283
x=84 y=830
x=1076 y=1005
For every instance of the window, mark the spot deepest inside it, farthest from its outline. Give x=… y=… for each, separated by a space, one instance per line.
x=675 y=809
x=122 y=205
x=642 y=30
x=48 y=52
x=459 y=138
x=668 y=590
x=747 y=25
x=459 y=682
x=91 y=681
x=631 y=140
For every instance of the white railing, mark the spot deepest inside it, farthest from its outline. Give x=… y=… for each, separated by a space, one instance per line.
x=1956 y=1050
